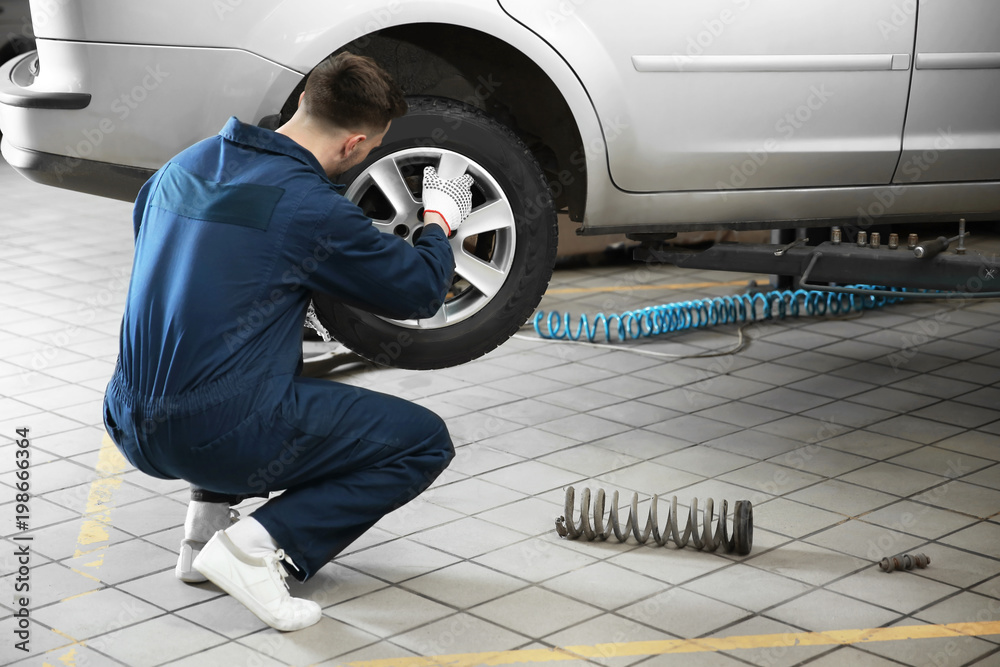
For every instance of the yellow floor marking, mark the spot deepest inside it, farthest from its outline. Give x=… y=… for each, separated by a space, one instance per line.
x=110 y=465
x=80 y=595
x=85 y=574
x=81 y=552
x=93 y=531
x=67 y=660
x=708 y=644
x=64 y=636
x=630 y=288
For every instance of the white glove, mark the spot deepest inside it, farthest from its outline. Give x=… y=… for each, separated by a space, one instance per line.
x=312 y=321
x=451 y=199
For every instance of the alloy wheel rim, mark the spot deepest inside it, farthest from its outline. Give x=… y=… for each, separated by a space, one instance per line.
x=388 y=191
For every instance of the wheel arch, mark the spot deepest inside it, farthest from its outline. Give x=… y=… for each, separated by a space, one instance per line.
x=471 y=66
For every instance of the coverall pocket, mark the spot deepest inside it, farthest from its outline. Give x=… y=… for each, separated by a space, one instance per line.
x=111 y=426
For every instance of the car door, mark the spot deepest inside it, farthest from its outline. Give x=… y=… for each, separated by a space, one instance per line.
x=953 y=121
x=738 y=94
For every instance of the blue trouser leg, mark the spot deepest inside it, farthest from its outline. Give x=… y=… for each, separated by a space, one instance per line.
x=343 y=455
x=354 y=456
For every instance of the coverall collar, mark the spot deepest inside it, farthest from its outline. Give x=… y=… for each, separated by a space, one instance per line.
x=268 y=140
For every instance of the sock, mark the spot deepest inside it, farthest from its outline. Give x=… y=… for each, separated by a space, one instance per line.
x=205 y=519
x=252 y=538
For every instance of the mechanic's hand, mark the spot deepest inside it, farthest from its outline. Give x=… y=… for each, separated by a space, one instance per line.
x=451 y=199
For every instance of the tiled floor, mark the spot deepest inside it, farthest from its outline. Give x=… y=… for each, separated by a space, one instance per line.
x=855 y=438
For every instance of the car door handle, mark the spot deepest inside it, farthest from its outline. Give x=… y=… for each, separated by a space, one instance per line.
x=983 y=60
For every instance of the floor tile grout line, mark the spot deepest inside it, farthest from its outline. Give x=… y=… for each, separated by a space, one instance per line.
x=581 y=443
x=455 y=611
x=669 y=586
x=860 y=647
x=79 y=642
x=910 y=498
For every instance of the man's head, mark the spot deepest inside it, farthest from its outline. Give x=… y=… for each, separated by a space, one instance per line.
x=345 y=110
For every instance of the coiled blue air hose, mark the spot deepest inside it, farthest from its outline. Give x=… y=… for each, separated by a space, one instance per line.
x=699 y=313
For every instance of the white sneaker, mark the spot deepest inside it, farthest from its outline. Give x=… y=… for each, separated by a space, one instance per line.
x=258 y=583
x=191 y=546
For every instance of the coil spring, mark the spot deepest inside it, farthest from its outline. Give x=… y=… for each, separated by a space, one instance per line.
x=904 y=562
x=683 y=315
x=741 y=540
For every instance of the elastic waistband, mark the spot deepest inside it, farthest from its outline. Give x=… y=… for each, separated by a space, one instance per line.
x=186 y=404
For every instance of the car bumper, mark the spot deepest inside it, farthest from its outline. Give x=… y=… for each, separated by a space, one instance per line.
x=100 y=178
x=116 y=181
x=101 y=118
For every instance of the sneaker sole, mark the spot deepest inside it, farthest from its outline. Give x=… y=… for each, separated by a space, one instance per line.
x=259 y=611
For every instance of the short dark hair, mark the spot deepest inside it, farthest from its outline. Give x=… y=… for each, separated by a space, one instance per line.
x=353 y=93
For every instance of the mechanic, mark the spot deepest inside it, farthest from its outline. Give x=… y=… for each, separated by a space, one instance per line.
x=231 y=237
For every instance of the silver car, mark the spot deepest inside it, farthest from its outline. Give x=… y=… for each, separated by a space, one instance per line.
x=16 y=35
x=641 y=117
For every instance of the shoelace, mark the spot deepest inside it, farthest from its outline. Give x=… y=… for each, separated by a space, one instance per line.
x=281 y=557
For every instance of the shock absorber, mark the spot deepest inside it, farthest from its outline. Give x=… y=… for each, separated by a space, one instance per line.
x=740 y=541
x=904 y=562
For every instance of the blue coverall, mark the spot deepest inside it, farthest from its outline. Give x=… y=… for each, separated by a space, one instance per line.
x=231 y=238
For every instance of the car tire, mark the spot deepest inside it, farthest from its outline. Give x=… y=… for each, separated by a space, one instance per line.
x=504 y=252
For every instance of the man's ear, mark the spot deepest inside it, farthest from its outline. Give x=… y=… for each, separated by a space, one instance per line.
x=352 y=143
x=301 y=97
